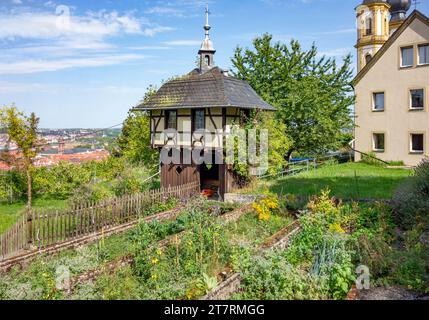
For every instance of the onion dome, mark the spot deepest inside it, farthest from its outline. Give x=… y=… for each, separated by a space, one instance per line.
x=399 y=9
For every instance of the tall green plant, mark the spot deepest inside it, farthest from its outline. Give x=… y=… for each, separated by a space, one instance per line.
x=312 y=94
x=22 y=130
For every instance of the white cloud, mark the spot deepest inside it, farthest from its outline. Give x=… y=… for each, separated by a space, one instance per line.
x=35 y=66
x=149 y=48
x=9 y=88
x=43 y=25
x=165 y=11
x=41 y=41
x=335 y=53
x=184 y=43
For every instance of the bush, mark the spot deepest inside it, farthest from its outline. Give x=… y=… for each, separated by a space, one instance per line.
x=13 y=186
x=91 y=193
x=274 y=278
x=131 y=181
x=411 y=199
x=324 y=217
x=333 y=262
x=60 y=181
x=409 y=269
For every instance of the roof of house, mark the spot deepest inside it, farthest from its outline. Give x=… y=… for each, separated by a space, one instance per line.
x=414 y=15
x=213 y=88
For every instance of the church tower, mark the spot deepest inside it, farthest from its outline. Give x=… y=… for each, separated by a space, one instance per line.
x=373 y=29
x=207 y=50
x=398 y=13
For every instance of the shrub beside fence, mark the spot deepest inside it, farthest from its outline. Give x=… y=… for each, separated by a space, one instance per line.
x=39 y=229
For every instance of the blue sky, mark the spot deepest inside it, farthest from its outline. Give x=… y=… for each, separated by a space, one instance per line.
x=89 y=69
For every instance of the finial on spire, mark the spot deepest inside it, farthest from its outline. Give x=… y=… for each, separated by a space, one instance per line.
x=207 y=26
x=207 y=14
x=207 y=50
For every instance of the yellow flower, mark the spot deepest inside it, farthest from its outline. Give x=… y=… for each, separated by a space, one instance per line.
x=336 y=227
x=159 y=252
x=155 y=261
x=154 y=277
x=265 y=216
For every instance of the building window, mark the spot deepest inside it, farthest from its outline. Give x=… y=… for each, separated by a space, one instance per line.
x=424 y=54
x=417 y=99
x=207 y=60
x=171 y=119
x=417 y=143
x=407 y=57
x=198 y=120
x=378 y=140
x=378 y=101
x=368 y=58
x=368 y=30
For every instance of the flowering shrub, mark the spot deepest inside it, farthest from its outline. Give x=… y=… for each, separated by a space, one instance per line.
x=264 y=208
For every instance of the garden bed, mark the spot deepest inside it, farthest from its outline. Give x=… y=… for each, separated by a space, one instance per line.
x=189 y=266
x=127 y=260
x=86 y=262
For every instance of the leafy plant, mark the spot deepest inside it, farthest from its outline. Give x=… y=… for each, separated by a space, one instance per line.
x=312 y=94
x=411 y=200
x=273 y=278
x=265 y=207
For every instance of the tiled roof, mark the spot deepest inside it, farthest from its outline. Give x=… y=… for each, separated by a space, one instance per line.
x=54 y=159
x=213 y=88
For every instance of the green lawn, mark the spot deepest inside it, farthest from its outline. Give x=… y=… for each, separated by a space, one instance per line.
x=10 y=213
x=349 y=180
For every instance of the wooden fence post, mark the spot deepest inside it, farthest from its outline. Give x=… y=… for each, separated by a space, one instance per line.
x=29 y=232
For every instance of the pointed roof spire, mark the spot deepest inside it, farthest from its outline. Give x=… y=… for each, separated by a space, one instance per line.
x=207 y=44
x=207 y=49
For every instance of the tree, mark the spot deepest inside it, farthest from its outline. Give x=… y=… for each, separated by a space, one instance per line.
x=313 y=95
x=22 y=130
x=278 y=144
x=134 y=141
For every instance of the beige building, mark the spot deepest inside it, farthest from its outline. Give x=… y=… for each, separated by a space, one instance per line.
x=392 y=92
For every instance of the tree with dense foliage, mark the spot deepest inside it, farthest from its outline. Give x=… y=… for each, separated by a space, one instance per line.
x=22 y=130
x=135 y=140
x=312 y=94
x=278 y=144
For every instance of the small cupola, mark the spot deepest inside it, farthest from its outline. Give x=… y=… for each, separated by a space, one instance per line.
x=207 y=50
